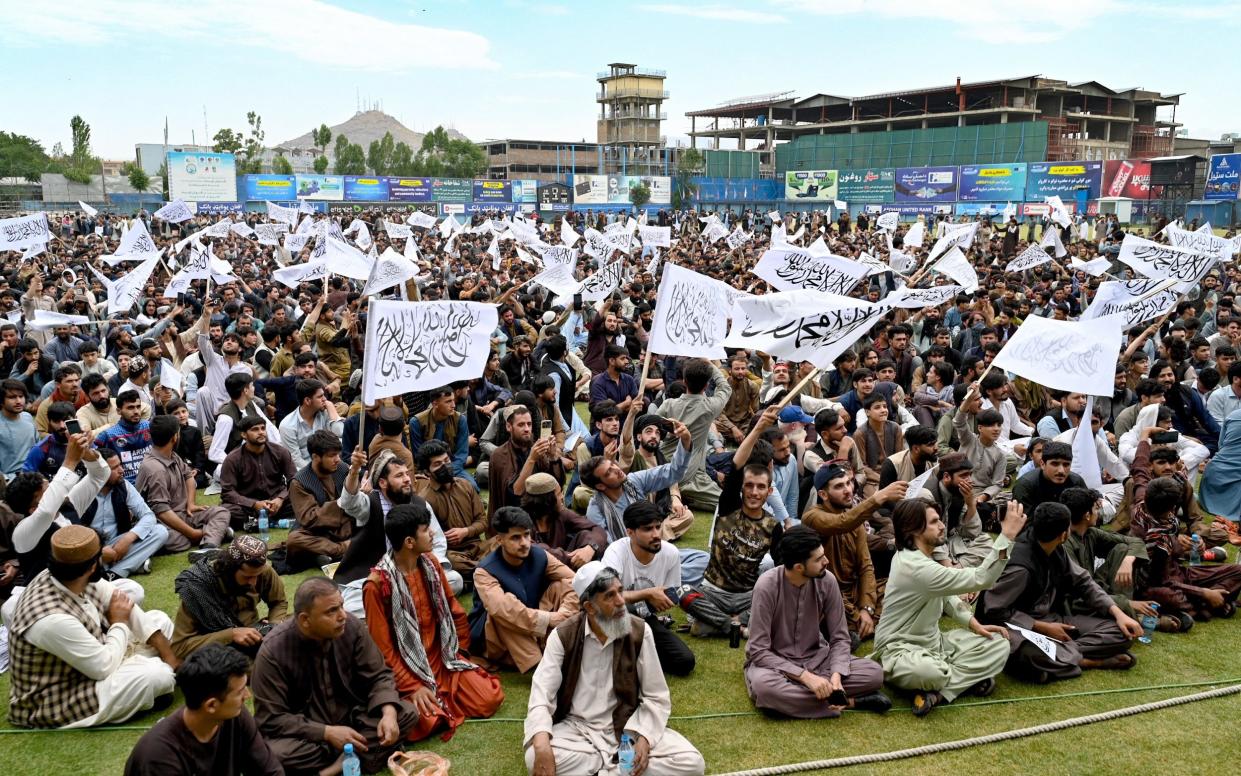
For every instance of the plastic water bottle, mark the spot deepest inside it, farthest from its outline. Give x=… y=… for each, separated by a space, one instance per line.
x=1149 y=623
x=625 y=755
x=351 y=766
x=285 y=523
x=1195 y=551
x=264 y=526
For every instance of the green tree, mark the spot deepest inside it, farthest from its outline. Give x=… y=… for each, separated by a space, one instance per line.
x=253 y=151
x=281 y=165
x=691 y=164
x=163 y=178
x=639 y=195
x=443 y=155
x=138 y=177
x=321 y=137
x=339 y=153
x=80 y=165
x=402 y=162
x=379 y=155
x=321 y=164
x=227 y=141
x=350 y=158
x=22 y=157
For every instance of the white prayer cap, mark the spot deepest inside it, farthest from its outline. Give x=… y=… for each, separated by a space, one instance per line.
x=584 y=577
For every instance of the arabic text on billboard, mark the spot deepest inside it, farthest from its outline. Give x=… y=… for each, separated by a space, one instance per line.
x=409 y=189
x=992 y=183
x=324 y=187
x=1129 y=178
x=526 y=191
x=361 y=189
x=202 y=177
x=270 y=188
x=493 y=191
x=813 y=185
x=926 y=184
x=871 y=184
x=457 y=190
x=1224 y=177
x=1063 y=179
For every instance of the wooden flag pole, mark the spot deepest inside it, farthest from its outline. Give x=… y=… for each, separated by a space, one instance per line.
x=788 y=397
x=362 y=395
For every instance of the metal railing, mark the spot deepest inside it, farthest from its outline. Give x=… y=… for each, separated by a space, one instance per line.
x=640 y=71
x=629 y=91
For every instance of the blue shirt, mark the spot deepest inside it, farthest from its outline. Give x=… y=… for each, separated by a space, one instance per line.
x=131 y=443
x=16 y=439
x=143 y=519
x=602 y=388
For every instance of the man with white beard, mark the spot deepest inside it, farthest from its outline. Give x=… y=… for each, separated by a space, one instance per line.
x=575 y=721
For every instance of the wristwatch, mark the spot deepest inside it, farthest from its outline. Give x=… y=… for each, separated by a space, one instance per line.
x=869 y=610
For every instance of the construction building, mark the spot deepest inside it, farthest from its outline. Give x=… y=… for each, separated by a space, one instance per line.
x=631 y=117
x=1031 y=118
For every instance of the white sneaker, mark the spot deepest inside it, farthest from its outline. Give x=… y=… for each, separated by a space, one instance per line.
x=213 y=489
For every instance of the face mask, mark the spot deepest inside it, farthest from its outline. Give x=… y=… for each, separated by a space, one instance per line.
x=443 y=475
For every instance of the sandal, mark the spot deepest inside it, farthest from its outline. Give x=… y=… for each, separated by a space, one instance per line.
x=924 y=702
x=983 y=689
x=1170 y=624
x=1122 y=662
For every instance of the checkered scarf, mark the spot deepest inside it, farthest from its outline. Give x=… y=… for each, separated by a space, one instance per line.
x=405 y=619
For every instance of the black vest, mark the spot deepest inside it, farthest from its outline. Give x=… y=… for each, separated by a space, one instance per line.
x=527 y=583
x=568 y=387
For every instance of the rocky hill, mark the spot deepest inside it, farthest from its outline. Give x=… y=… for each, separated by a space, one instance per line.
x=366 y=126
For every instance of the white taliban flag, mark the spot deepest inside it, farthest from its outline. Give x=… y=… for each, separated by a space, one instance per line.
x=1066 y=355
x=174 y=212
x=691 y=315
x=1030 y=258
x=656 y=236
x=1156 y=260
x=558 y=278
x=87 y=209
x=1059 y=213
x=567 y=235
x=420 y=220
x=137 y=243
x=1085 y=450
x=955 y=236
x=283 y=214
x=888 y=221
x=448 y=226
x=597 y=286
x=295 y=275
x=414 y=346
x=801 y=325
x=241 y=229
x=956 y=266
x=123 y=293
x=170 y=376
x=1051 y=239
x=397 y=231
x=915 y=235
x=917 y=298
x=391 y=269
x=788 y=269
x=50 y=319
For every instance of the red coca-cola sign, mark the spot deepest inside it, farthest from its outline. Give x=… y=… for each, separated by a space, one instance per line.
x=1129 y=178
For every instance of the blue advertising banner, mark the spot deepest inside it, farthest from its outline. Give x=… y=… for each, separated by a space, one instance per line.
x=409 y=189
x=270 y=188
x=458 y=190
x=526 y=191
x=489 y=207
x=360 y=189
x=1063 y=179
x=992 y=183
x=918 y=210
x=926 y=184
x=218 y=208
x=323 y=187
x=1223 y=177
x=866 y=185
x=493 y=191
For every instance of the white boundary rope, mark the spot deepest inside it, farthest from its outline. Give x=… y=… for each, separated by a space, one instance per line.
x=948 y=746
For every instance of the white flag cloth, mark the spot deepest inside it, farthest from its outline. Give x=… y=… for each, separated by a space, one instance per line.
x=170 y=376
x=1164 y=261
x=420 y=220
x=652 y=266
x=411 y=249
x=295 y=275
x=391 y=269
x=917 y=298
x=341 y=258
x=558 y=278
x=1137 y=300
x=284 y=214
x=1030 y=258
x=50 y=319
x=241 y=229
x=295 y=242
x=448 y=226
x=269 y=234
x=1205 y=228
x=33 y=250
x=174 y=212
x=603 y=282
x=1220 y=248
x=137 y=243
x=567 y=235
x=1010 y=211
x=691 y=315
x=956 y=266
x=915 y=235
x=1085 y=452
x=774 y=216
x=955 y=236
x=877 y=267
x=1094 y=267
x=560 y=254
x=900 y=262
x=123 y=293
x=305 y=207
x=1065 y=355
x=1051 y=239
x=788 y=269
x=888 y=221
x=219 y=228
x=1059 y=213
x=656 y=236
x=364 y=239
x=737 y=238
x=87 y=209
x=306 y=225
x=413 y=346
x=714 y=232
x=802 y=325
x=397 y=231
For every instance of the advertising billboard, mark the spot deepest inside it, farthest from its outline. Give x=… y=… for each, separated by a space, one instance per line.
x=452 y=189
x=322 y=187
x=361 y=189
x=218 y=208
x=614 y=189
x=202 y=176
x=926 y=184
x=1129 y=178
x=1063 y=180
x=493 y=191
x=992 y=183
x=409 y=189
x=814 y=185
x=526 y=191
x=1223 y=177
x=871 y=184
x=270 y=188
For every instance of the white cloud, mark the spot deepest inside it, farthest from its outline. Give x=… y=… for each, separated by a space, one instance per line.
x=717 y=13
x=993 y=21
x=307 y=30
x=550 y=75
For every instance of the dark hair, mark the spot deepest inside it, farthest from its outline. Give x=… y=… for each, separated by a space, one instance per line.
x=164 y=428
x=404 y=520
x=555 y=347
x=67 y=370
x=697 y=374
x=1050 y=520
x=642 y=513
x=306 y=389
x=309 y=591
x=796 y=546
x=1057 y=451
x=909 y=520
x=507 y=518
x=603 y=410
x=235 y=384
x=322 y=442
x=175 y=404
x=589 y=478
x=432 y=448
x=1148 y=387
x=439 y=393
x=993 y=381
x=990 y=417
x=61 y=410
x=920 y=435
x=757 y=469
x=128 y=397
x=873 y=399
x=614 y=351
x=207 y=672
x=1163 y=495
x=863 y=373
x=1080 y=502
x=92 y=381
x=302 y=359
x=1209 y=376
x=1165 y=455
x=945 y=371
x=21 y=489
x=542 y=383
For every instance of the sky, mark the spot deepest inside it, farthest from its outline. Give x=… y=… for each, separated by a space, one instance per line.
x=526 y=69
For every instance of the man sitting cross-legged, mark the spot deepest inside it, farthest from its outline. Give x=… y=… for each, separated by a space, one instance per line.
x=327 y=500
x=791 y=668
x=320 y=683
x=521 y=594
x=422 y=631
x=915 y=654
x=213 y=733
x=600 y=679
x=1036 y=592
